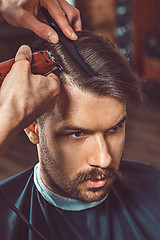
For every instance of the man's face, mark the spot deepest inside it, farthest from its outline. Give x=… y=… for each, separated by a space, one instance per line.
x=81 y=144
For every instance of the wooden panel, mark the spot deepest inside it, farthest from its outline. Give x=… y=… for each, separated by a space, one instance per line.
x=145 y=15
x=151 y=68
x=11 y=38
x=98 y=16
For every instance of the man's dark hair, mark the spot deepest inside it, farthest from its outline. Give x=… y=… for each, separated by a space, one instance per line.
x=114 y=75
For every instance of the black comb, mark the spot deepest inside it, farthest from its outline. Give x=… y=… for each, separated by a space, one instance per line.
x=69 y=45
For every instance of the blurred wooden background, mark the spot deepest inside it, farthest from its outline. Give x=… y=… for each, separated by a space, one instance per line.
x=143 y=132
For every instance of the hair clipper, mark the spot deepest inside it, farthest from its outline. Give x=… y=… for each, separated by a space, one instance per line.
x=42 y=63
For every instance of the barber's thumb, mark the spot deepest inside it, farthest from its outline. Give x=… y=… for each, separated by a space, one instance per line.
x=24 y=53
x=54 y=83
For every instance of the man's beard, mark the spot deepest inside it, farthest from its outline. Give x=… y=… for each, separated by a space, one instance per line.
x=71 y=188
x=110 y=174
x=60 y=183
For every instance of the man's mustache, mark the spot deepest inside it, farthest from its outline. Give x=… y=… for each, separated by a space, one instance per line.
x=97 y=174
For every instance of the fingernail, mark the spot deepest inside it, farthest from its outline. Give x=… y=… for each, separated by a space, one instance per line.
x=74 y=36
x=53 y=38
x=25 y=48
x=31 y=134
x=27 y=131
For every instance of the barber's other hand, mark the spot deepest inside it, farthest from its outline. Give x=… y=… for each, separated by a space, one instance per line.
x=23 y=13
x=25 y=96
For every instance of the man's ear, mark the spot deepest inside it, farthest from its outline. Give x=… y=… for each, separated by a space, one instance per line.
x=32 y=133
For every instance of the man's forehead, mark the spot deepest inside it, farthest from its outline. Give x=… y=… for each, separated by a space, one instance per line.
x=83 y=109
x=71 y=93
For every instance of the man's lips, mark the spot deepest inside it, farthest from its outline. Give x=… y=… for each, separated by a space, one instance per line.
x=96 y=183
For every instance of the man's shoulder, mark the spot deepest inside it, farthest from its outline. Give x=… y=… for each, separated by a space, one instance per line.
x=140 y=170
x=16 y=183
x=134 y=200
x=137 y=165
x=139 y=179
x=22 y=175
x=15 y=195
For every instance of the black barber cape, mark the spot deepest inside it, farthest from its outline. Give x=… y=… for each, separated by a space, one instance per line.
x=130 y=212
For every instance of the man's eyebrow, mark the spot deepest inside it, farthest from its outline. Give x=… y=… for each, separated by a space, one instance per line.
x=77 y=128
x=72 y=128
x=121 y=121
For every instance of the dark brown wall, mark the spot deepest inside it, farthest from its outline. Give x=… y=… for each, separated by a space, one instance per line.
x=146 y=19
x=11 y=38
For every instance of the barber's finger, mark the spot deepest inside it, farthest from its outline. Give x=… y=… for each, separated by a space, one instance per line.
x=77 y=23
x=66 y=28
x=54 y=83
x=72 y=14
x=24 y=53
x=41 y=29
x=59 y=16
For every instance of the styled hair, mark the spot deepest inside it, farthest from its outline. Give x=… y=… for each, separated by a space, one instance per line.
x=113 y=74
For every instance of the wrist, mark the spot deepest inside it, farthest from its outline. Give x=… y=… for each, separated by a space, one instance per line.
x=9 y=119
x=1 y=18
x=3 y=7
x=1 y=10
x=9 y=128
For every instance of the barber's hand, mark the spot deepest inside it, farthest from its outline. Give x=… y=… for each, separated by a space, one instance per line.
x=25 y=96
x=23 y=13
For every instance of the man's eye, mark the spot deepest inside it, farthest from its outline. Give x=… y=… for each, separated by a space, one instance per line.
x=76 y=134
x=114 y=129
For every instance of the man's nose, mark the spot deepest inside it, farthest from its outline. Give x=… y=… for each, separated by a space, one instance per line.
x=99 y=155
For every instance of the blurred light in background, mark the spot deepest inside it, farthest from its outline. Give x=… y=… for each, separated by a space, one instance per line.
x=123 y=26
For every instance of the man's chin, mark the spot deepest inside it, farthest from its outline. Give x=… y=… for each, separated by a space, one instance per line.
x=91 y=195
x=95 y=198
x=92 y=191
